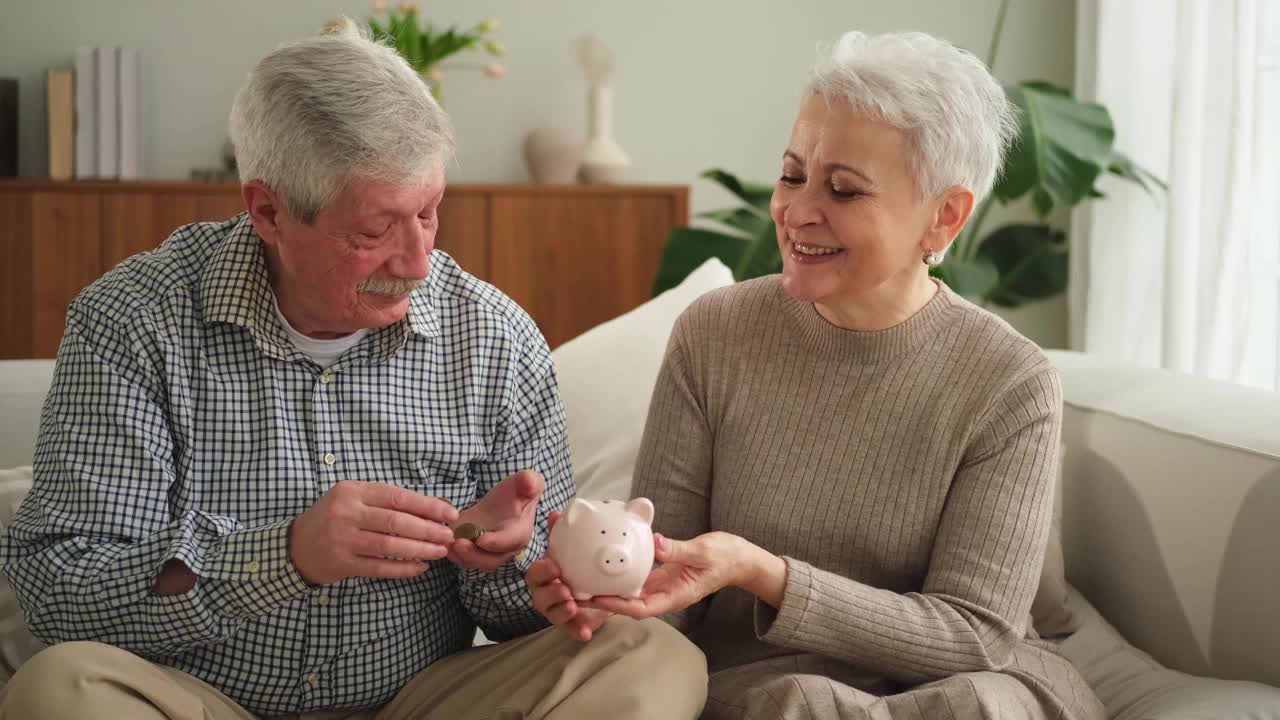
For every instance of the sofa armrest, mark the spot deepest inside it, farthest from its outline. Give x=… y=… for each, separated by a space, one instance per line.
x=1170 y=496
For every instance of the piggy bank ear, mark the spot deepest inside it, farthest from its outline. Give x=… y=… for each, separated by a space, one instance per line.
x=577 y=510
x=642 y=508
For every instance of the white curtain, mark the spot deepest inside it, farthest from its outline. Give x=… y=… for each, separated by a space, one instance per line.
x=1186 y=280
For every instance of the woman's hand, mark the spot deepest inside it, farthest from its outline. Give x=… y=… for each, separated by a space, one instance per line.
x=693 y=569
x=554 y=600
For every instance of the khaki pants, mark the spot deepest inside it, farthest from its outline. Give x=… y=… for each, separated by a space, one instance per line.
x=630 y=669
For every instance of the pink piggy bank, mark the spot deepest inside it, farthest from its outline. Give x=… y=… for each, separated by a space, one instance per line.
x=603 y=548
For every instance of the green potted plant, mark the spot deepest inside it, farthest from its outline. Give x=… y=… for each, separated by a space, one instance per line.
x=1063 y=147
x=427 y=46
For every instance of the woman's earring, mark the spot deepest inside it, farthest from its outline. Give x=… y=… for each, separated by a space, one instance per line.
x=932 y=259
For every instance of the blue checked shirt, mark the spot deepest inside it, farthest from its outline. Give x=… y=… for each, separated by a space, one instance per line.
x=182 y=424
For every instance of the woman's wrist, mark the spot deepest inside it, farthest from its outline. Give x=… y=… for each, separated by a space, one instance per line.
x=766 y=575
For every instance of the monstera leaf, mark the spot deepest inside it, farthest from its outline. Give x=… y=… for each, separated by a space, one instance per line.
x=1031 y=261
x=1122 y=166
x=972 y=278
x=1063 y=145
x=755 y=195
x=762 y=256
x=746 y=220
x=687 y=248
x=748 y=245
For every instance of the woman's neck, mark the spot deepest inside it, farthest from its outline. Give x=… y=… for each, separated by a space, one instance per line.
x=881 y=307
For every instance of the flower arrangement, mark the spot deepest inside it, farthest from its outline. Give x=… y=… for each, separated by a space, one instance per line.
x=426 y=46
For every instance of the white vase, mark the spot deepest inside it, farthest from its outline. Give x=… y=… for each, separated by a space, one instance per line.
x=553 y=156
x=603 y=161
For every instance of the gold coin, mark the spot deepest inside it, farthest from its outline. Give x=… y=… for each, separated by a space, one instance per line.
x=468 y=531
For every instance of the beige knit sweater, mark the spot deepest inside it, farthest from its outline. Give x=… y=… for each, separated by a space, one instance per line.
x=905 y=475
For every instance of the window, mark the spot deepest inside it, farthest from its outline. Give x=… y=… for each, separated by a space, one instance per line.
x=1262 y=348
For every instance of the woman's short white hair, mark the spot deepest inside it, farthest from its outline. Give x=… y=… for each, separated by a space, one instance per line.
x=315 y=114
x=956 y=118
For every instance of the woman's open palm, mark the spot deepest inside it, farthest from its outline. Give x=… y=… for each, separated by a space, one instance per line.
x=690 y=571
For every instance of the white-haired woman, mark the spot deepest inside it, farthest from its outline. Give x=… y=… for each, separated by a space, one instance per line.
x=863 y=461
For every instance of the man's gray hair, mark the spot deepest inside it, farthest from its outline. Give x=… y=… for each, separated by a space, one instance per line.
x=315 y=114
x=956 y=118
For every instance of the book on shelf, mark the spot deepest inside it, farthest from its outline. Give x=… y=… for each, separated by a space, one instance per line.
x=129 y=109
x=8 y=127
x=86 y=113
x=107 y=113
x=60 y=105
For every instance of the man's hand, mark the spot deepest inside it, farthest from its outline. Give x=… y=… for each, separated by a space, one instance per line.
x=554 y=599
x=363 y=529
x=506 y=513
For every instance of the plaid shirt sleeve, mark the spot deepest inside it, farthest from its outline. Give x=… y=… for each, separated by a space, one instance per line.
x=532 y=437
x=86 y=547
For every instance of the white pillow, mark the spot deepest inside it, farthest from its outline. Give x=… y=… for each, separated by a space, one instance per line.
x=23 y=386
x=16 y=643
x=606 y=380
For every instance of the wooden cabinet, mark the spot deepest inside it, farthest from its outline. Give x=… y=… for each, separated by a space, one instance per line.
x=572 y=256
x=136 y=220
x=46 y=261
x=588 y=268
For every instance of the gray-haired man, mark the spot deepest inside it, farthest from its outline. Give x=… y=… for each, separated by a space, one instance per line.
x=258 y=437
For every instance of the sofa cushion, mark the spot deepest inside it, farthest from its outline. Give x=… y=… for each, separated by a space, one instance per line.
x=606 y=379
x=1133 y=686
x=23 y=386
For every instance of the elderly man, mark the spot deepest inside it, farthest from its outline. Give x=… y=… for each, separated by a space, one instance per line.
x=262 y=438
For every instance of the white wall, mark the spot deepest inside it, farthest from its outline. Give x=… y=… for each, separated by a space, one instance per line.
x=699 y=83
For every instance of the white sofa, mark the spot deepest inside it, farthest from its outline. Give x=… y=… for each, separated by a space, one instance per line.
x=1170 y=492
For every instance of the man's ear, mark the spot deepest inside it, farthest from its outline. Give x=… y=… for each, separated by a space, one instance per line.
x=265 y=210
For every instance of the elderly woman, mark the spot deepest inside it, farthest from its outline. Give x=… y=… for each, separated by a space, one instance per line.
x=863 y=460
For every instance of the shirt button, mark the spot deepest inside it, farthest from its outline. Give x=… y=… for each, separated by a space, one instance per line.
x=524 y=555
x=323 y=599
x=313 y=679
x=326 y=377
x=330 y=458
x=253 y=566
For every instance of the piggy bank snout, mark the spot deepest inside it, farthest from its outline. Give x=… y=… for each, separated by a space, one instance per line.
x=613 y=559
